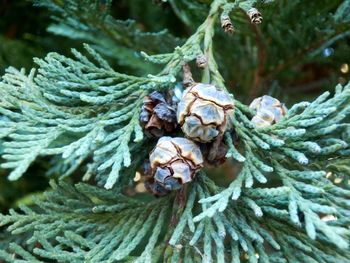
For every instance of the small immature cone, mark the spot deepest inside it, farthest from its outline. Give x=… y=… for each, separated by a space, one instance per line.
x=201 y=61
x=255 y=16
x=226 y=24
x=268 y=111
x=157 y=115
x=174 y=162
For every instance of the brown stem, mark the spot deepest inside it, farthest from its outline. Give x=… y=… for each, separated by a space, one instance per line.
x=179 y=205
x=187 y=76
x=215 y=147
x=260 y=70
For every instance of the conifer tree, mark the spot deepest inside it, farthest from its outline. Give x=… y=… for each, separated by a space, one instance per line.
x=259 y=167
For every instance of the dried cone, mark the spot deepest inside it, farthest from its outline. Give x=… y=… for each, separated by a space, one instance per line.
x=174 y=162
x=202 y=112
x=157 y=115
x=226 y=24
x=150 y=184
x=255 y=16
x=268 y=111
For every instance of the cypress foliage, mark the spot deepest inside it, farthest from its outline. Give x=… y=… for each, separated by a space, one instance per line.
x=80 y=113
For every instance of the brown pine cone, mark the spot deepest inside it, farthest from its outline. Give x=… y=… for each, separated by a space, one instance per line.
x=203 y=111
x=157 y=115
x=173 y=162
x=152 y=185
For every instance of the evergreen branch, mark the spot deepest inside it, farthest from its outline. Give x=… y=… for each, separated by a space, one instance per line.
x=72 y=99
x=297 y=136
x=342 y=13
x=249 y=231
x=106 y=226
x=81 y=107
x=90 y=21
x=320 y=118
x=85 y=223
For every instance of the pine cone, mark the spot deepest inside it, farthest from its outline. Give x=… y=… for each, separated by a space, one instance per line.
x=174 y=162
x=226 y=24
x=150 y=184
x=255 y=16
x=157 y=115
x=202 y=112
x=268 y=111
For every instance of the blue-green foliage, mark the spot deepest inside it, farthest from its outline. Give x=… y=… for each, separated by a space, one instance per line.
x=343 y=12
x=309 y=132
x=85 y=223
x=77 y=108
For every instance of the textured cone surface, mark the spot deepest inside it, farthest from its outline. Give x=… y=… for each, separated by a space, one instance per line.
x=174 y=161
x=268 y=111
x=157 y=115
x=202 y=112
